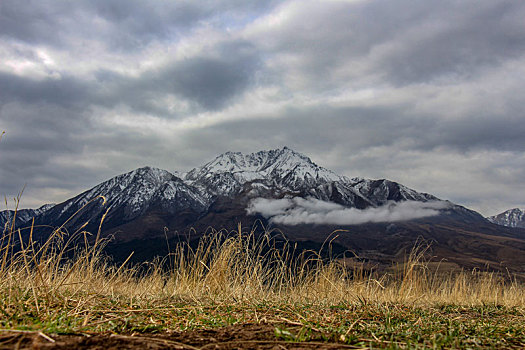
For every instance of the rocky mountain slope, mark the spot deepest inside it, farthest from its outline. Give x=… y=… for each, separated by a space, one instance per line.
x=21 y=216
x=510 y=218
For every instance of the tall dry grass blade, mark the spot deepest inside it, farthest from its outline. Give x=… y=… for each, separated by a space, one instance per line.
x=29 y=274
x=7 y=247
x=116 y=274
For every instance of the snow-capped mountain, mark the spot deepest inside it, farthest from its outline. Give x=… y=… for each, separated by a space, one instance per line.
x=276 y=172
x=231 y=177
x=510 y=218
x=144 y=208
x=283 y=168
x=22 y=216
x=128 y=196
x=138 y=190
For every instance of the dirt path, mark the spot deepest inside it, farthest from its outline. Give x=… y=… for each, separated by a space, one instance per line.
x=247 y=336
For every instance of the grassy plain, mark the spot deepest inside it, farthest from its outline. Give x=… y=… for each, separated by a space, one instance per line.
x=235 y=290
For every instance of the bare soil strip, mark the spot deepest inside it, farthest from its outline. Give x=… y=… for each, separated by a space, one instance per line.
x=246 y=336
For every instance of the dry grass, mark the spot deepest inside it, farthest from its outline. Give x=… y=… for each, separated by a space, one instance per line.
x=240 y=277
x=237 y=267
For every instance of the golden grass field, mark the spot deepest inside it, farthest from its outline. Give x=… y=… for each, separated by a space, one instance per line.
x=236 y=290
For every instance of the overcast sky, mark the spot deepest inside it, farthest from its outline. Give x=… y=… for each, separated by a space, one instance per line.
x=426 y=93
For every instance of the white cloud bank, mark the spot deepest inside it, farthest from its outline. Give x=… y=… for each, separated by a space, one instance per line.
x=295 y=211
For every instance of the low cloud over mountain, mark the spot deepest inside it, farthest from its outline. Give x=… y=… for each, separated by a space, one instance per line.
x=296 y=211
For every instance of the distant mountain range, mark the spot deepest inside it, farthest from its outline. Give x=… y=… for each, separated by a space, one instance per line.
x=22 y=216
x=285 y=190
x=510 y=218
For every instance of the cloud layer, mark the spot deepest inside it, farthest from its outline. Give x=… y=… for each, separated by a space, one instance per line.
x=296 y=211
x=426 y=93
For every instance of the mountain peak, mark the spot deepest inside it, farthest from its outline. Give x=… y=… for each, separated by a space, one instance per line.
x=512 y=218
x=288 y=150
x=285 y=151
x=151 y=174
x=276 y=164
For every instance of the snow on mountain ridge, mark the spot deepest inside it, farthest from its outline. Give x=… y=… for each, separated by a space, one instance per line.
x=278 y=164
x=136 y=191
x=381 y=191
x=510 y=218
x=284 y=171
x=134 y=187
x=22 y=215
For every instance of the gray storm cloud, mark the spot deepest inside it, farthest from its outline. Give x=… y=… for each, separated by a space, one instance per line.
x=424 y=93
x=296 y=211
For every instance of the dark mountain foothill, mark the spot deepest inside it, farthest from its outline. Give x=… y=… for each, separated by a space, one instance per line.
x=376 y=222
